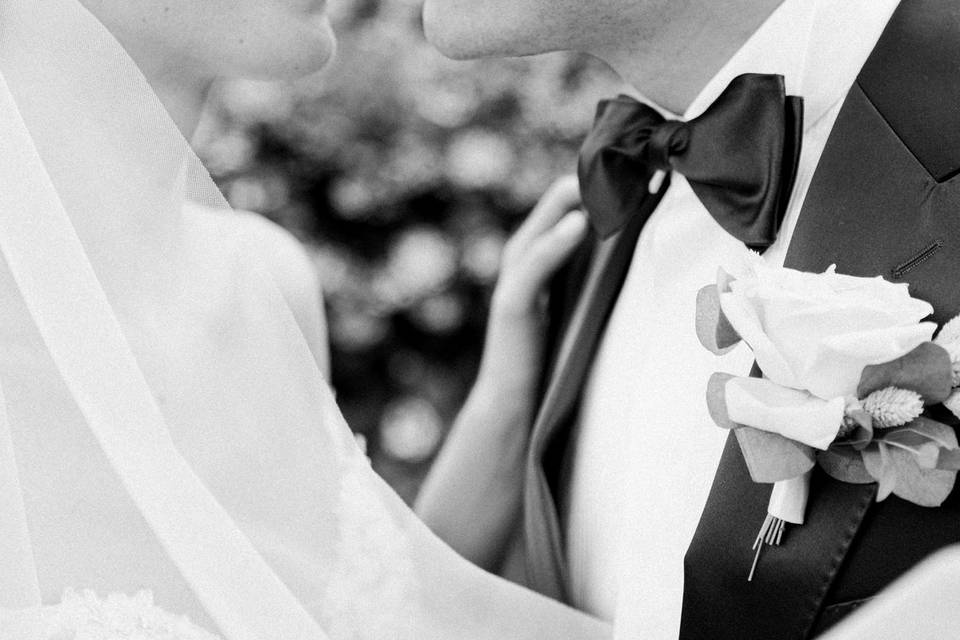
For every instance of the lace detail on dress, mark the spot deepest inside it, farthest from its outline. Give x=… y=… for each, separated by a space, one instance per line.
x=371 y=590
x=84 y=616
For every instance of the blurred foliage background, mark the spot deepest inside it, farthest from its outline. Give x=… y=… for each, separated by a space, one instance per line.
x=403 y=173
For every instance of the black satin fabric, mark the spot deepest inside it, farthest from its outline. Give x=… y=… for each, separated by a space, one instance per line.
x=746 y=174
x=552 y=430
x=740 y=158
x=884 y=201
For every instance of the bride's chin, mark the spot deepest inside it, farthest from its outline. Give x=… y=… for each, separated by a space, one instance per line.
x=317 y=49
x=309 y=50
x=324 y=50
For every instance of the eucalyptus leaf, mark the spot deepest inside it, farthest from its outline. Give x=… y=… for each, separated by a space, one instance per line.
x=876 y=460
x=770 y=457
x=927 y=429
x=927 y=439
x=926 y=370
x=925 y=454
x=899 y=472
x=844 y=464
x=862 y=434
x=714 y=331
x=717 y=400
x=929 y=456
x=949 y=460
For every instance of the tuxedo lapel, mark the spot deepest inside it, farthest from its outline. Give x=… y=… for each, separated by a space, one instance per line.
x=883 y=201
x=577 y=345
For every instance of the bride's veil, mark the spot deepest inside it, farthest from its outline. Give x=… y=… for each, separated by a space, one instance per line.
x=267 y=529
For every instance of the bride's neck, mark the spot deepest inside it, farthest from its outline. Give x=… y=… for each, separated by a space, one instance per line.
x=184 y=103
x=143 y=235
x=182 y=94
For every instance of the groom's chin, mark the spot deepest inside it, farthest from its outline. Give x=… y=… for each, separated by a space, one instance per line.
x=463 y=31
x=449 y=31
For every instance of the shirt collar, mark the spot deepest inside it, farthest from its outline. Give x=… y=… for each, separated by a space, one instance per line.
x=818 y=46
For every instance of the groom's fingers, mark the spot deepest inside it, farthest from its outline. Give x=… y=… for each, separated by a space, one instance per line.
x=562 y=196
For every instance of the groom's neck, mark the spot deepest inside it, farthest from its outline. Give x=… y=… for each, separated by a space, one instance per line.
x=671 y=56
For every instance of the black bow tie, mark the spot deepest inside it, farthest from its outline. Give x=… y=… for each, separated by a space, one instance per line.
x=740 y=158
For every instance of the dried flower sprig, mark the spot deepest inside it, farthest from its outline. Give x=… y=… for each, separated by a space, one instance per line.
x=892 y=407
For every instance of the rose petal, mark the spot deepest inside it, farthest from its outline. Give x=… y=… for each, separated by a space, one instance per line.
x=744 y=319
x=837 y=364
x=816 y=332
x=796 y=415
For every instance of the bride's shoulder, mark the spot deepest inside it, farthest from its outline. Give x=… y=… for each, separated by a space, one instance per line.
x=280 y=251
x=286 y=259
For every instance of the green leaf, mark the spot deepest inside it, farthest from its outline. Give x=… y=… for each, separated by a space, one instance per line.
x=876 y=460
x=844 y=464
x=926 y=370
x=927 y=439
x=717 y=400
x=713 y=329
x=925 y=454
x=899 y=472
x=949 y=460
x=926 y=429
x=862 y=434
x=770 y=457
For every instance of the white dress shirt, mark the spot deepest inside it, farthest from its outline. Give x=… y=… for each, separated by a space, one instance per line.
x=646 y=449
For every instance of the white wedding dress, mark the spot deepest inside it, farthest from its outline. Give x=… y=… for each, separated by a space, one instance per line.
x=155 y=438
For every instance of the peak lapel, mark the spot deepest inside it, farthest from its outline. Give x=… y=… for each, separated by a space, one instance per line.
x=882 y=202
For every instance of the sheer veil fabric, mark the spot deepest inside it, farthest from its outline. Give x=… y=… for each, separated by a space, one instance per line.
x=153 y=437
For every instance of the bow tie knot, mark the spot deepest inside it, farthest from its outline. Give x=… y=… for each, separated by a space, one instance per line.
x=740 y=158
x=667 y=140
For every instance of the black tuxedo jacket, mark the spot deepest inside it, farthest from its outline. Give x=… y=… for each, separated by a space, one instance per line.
x=885 y=200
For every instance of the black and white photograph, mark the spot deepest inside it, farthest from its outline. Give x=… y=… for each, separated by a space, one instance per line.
x=479 y=319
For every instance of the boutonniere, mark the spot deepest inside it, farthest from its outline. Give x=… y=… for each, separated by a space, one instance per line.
x=849 y=369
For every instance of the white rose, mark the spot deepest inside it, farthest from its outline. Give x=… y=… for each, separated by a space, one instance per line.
x=817 y=332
